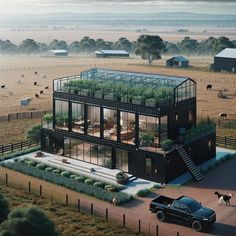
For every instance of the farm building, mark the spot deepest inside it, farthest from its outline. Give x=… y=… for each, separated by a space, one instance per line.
x=111 y=53
x=58 y=53
x=226 y=60
x=178 y=61
x=143 y=124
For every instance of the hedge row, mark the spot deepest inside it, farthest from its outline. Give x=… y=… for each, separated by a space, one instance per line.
x=70 y=183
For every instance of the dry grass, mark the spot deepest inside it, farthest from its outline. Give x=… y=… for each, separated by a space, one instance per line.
x=67 y=221
x=14 y=131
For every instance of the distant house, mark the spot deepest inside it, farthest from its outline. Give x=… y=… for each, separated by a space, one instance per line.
x=178 y=61
x=58 y=52
x=226 y=60
x=111 y=53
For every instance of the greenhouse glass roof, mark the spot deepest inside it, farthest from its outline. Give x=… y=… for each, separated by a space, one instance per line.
x=132 y=78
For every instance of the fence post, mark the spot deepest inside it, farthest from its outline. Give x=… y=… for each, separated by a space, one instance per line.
x=2 y=150
x=67 y=200
x=123 y=220
x=6 y=179
x=106 y=214
x=40 y=190
x=139 y=226
x=225 y=141
x=177 y=234
x=51 y=200
x=29 y=187
x=12 y=147
x=78 y=205
x=21 y=144
x=157 y=230
x=91 y=209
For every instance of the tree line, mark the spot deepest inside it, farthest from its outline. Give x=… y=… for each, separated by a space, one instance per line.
x=87 y=45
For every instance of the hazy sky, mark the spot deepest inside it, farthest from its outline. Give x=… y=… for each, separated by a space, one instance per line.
x=116 y=6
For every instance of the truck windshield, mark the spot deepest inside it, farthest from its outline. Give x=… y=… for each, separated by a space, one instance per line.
x=192 y=204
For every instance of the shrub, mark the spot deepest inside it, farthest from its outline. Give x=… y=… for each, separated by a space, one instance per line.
x=32 y=163
x=88 y=181
x=79 y=179
x=65 y=174
x=110 y=188
x=98 y=184
x=143 y=192
x=56 y=171
x=121 y=175
x=73 y=176
x=21 y=161
x=41 y=166
x=49 y=169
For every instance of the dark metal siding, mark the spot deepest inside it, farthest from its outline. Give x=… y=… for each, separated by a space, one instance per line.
x=224 y=64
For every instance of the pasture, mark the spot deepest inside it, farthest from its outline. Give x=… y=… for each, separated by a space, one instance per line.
x=12 y=69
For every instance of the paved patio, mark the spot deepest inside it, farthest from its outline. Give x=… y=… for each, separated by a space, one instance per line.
x=83 y=168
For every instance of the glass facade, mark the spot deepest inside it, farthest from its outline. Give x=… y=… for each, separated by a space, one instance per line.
x=164 y=128
x=77 y=117
x=61 y=114
x=185 y=91
x=110 y=124
x=122 y=158
x=93 y=121
x=88 y=152
x=148 y=133
x=127 y=125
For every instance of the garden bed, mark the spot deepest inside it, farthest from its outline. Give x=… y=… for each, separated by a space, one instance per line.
x=69 y=180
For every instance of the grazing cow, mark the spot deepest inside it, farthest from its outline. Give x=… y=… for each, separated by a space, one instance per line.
x=41 y=92
x=10 y=93
x=22 y=75
x=35 y=83
x=47 y=87
x=35 y=72
x=223 y=115
x=209 y=86
x=25 y=101
x=36 y=95
x=18 y=81
x=3 y=86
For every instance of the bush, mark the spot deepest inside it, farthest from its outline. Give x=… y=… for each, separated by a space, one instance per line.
x=41 y=166
x=98 y=184
x=21 y=161
x=79 y=179
x=110 y=188
x=143 y=192
x=56 y=171
x=73 y=176
x=49 y=169
x=32 y=163
x=65 y=174
x=88 y=181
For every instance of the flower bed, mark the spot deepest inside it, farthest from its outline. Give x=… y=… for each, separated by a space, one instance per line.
x=68 y=180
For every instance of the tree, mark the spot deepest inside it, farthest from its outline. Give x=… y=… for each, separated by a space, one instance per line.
x=28 y=46
x=74 y=47
x=188 y=45
x=34 y=134
x=7 y=47
x=171 y=48
x=28 y=222
x=56 y=44
x=123 y=44
x=4 y=208
x=87 y=44
x=150 y=47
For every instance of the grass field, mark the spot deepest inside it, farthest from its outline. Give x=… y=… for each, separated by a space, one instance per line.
x=67 y=221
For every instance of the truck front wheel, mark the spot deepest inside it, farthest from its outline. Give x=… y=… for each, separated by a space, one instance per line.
x=197 y=225
x=161 y=216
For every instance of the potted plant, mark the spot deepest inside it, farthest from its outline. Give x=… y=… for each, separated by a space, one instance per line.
x=48 y=118
x=122 y=177
x=146 y=139
x=167 y=144
x=137 y=100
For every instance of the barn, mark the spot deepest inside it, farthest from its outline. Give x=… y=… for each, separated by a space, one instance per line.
x=178 y=61
x=58 y=53
x=226 y=60
x=111 y=53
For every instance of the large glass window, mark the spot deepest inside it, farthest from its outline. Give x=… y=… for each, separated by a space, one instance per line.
x=148 y=133
x=110 y=124
x=61 y=114
x=127 y=124
x=122 y=158
x=93 y=121
x=78 y=118
x=164 y=128
x=92 y=153
x=148 y=165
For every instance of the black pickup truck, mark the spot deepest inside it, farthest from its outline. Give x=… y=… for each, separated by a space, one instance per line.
x=183 y=209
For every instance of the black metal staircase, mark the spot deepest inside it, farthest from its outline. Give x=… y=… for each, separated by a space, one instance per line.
x=189 y=163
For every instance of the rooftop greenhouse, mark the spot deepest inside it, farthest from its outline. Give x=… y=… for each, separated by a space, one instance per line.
x=128 y=87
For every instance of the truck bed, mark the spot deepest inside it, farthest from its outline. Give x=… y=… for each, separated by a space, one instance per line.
x=163 y=200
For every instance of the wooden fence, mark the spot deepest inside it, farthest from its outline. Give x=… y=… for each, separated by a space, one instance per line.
x=9 y=148
x=226 y=141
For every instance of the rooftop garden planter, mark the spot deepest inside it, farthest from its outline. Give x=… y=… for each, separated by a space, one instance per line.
x=150 y=102
x=167 y=144
x=85 y=92
x=98 y=94
x=122 y=178
x=110 y=96
x=137 y=100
